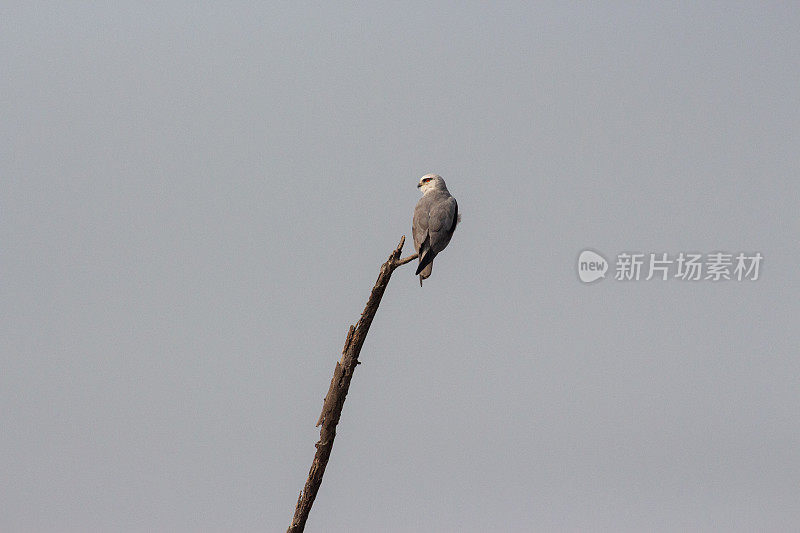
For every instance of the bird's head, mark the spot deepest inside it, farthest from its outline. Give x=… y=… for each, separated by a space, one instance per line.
x=431 y=182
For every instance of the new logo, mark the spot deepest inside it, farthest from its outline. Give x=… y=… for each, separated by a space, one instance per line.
x=591 y=266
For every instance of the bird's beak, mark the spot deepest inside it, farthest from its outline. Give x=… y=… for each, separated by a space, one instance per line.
x=419 y=185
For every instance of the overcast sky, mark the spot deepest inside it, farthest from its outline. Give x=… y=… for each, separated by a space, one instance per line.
x=195 y=199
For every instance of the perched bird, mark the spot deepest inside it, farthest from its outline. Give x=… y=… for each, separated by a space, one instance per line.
x=435 y=219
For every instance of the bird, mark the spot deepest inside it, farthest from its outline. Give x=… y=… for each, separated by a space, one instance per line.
x=435 y=220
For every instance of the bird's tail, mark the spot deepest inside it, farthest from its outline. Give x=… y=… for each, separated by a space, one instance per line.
x=425 y=273
x=425 y=259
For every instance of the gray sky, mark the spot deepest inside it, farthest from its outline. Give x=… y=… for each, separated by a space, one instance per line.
x=195 y=200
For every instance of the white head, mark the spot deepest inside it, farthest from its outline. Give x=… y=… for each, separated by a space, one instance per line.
x=431 y=182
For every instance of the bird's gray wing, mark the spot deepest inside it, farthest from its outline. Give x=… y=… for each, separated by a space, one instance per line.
x=442 y=222
x=419 y=226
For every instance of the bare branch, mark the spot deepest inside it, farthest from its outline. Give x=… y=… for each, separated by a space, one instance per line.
x=340 y=383
x=406 y=260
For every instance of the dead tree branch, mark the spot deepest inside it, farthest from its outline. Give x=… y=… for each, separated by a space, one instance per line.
x=334 y=400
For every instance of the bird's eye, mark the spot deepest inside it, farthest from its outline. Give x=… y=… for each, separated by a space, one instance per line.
x=426 y=180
